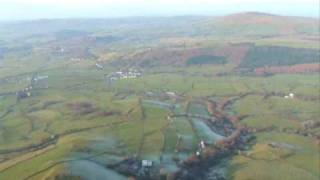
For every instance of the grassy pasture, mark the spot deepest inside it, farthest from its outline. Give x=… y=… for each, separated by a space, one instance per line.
x=298 y=160
x=79 y=97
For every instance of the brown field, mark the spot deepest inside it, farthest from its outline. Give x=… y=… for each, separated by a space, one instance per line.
x=299 y=68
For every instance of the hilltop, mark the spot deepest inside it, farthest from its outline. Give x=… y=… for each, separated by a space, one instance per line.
x=261 y=24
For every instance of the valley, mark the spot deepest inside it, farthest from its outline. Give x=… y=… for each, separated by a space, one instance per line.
x=160 y=98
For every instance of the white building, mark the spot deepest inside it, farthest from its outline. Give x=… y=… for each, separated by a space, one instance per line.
x=202 y=145
x=291 y=95
x=198 y=153
x=146 y=163
x=170 y=93
x=99 y=66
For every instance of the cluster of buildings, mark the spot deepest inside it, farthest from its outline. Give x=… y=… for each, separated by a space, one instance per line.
x=26 y=92
x=37 y=82
x=201 y=147
x=125 y=74
x=289 y=96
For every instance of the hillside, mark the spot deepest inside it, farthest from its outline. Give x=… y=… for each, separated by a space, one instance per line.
x=261 y=24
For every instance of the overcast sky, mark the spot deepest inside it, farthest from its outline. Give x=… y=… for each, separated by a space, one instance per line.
x=37 y=9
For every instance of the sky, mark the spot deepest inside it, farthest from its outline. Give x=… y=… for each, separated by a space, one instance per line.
x=46 y=9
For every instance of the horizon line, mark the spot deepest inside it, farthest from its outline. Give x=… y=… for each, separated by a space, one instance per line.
x=155 y=16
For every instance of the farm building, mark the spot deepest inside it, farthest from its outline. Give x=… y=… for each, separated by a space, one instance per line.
x=99 y=66
x=169 y=93
x=291 y=95
x=146 y=163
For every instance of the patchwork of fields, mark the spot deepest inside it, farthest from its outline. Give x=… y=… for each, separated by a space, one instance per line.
x=203 y=108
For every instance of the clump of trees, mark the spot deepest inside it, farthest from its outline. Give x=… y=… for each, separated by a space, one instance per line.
x=206 y=59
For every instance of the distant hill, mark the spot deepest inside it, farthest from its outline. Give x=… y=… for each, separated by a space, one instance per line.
x=241 y=24
x=260 y=24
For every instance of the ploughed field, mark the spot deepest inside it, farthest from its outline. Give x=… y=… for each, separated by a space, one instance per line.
x=136 y=99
